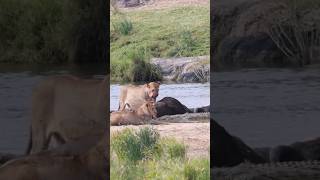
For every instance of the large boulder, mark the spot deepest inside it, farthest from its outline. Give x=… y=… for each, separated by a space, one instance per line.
x=184 y=69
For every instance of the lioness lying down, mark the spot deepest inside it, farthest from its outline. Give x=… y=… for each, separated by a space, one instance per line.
x=69 y=107
x=142 y=115
x=57 y=165
x=135 y=96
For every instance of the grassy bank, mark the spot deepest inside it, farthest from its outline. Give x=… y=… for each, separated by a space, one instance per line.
x=144 y=155
x=44 y=31
x=172 y=32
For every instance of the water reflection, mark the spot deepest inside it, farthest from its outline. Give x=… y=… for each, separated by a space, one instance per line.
x=190 y=94
x=267 y=107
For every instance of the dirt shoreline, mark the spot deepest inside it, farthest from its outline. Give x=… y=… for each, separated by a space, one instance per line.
x=195 y=135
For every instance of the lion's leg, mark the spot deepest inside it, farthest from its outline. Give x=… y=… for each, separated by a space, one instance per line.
x=28 y=150
x=54 y=140
x=122 y=99
x=42 y=114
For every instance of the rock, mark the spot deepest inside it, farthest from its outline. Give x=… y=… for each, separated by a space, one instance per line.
x=128 y=3
x=229 y=150
x=170 y=106
x=240 y=32
x=201 y=109
x=299 y=151
x=185 y=69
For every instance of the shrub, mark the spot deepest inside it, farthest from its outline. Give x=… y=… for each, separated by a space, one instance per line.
x=197 y=169
x=124 y=27
x=173 y=148
x=144 y=155
x=296 y=39
x=130 y=146
x=135 y=67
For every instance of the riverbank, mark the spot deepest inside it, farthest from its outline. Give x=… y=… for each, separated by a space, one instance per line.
x=193 y=130
x=177 y=31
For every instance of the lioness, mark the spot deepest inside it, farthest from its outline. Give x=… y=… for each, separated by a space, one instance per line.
x=67 y=106
x=143 y=114
x=89 y=163
x=135 y=96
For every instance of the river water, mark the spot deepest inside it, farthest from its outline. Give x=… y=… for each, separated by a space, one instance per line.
x=264 y=107
x=190 y=94
x=268 y=107
x=16 y=84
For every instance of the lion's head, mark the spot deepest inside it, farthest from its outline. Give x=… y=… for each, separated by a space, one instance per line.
x=153 y=89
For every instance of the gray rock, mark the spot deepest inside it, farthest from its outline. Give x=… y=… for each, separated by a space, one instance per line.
x=184 y=69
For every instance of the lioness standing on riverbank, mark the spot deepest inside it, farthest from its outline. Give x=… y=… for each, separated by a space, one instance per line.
x=135 y=96
x=68 y=107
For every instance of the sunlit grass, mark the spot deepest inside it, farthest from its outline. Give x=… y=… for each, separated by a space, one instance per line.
x=144 y=155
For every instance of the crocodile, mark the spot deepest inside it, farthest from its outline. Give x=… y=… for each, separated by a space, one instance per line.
x=291 y=170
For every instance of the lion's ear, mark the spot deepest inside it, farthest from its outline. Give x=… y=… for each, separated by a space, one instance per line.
x=158 y=82
x=148 y=86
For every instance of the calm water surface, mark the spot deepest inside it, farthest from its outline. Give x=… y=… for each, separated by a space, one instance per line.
x=268 y=107
x=16 y=84
x=191 y=94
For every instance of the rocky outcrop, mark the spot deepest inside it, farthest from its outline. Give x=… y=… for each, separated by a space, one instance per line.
x=185 y=118
x=184 y=69
x=228 y=150
x=306 y=170
x=240 y=32
x=201 y=109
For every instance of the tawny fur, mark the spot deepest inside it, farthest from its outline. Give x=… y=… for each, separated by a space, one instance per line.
x=142 y=115
x=70 y=106
x=135 y=96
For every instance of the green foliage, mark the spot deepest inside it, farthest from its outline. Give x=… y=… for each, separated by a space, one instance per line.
x=43 y=31
x=130 y=146
x=173 y=148
x=135 y=67
x=144 y=155
x=197 y=170
x=124 y=27
x=160 y=34
x=184 y=46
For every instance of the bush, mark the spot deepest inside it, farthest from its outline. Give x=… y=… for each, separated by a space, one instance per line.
x=44 y=31
x=124 y=27
x=130 y=146
x=135 y=67
x=197 y=170
x=297 y=39
x=144 y=155
x=174 y=149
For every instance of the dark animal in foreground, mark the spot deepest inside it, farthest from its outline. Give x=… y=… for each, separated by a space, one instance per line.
x=229 y=150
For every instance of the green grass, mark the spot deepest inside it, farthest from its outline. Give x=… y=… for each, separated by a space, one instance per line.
x=144 y=155
x=173 y=32
x=44 y=31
